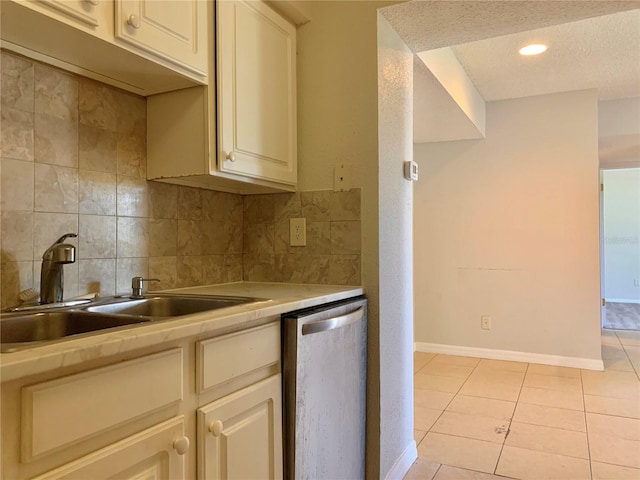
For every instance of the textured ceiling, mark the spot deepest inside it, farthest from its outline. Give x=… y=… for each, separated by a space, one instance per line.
x=429 y=24
x=601 y=52
x=493 y=30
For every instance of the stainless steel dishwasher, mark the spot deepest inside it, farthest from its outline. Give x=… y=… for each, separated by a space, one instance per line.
x=324 y=375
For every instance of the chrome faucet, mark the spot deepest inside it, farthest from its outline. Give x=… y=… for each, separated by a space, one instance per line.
x=51 y=275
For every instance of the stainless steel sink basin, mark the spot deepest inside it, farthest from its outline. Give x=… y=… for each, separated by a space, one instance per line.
x=19 y=330
x=16 y=330
x=161 y=306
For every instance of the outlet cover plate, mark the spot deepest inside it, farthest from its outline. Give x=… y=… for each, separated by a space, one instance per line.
x=298 y=232
x=341 y=178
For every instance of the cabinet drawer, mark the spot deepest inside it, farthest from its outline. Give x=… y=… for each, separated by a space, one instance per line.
x=249 y=349
x=64 y=411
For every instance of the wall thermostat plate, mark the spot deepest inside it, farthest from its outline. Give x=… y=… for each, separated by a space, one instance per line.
x=411 y=170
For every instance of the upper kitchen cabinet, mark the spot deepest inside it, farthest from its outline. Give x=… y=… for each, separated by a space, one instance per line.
x=245 y=142
x=256 y=92
x=83 y=13
x=175 y=31
x=145 y=47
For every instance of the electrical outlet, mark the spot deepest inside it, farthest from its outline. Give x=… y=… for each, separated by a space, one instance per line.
x=297 y=232
x=636 y=282
x=485 y=322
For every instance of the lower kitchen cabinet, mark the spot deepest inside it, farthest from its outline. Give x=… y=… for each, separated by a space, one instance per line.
x=144 y=416
x=240 y=435
x=157 y=453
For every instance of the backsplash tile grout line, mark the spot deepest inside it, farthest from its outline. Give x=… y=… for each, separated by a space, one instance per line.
x=86 y=170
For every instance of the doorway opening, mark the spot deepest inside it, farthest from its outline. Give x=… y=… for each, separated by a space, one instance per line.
x=620 y=227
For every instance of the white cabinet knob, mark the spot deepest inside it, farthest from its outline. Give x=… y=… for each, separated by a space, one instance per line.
x=231 y=157
x=216 y=428
x=93 y=2
x=181 y=445
x=133 y=21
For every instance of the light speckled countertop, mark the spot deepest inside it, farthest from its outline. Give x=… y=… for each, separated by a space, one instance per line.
x=280 y=298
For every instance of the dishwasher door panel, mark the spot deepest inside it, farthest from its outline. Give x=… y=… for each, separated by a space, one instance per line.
x=325 y=391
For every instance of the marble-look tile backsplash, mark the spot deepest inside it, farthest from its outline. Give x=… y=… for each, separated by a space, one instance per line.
x=73 y=159
x=332 y=253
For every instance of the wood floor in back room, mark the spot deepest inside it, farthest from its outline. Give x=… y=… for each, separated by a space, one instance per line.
x=622 y=316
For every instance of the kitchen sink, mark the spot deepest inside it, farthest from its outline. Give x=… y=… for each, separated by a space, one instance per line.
x=19 y=330
x=162 y=306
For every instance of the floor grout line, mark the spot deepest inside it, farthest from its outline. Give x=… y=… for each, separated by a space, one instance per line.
x=504 y=441
x=518 y=402
x=448 y=403
x=624 y=349
x=586 y=424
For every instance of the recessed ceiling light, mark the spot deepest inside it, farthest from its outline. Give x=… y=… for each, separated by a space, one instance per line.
x=533 y=49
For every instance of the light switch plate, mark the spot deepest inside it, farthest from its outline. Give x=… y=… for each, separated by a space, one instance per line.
x=298 y=232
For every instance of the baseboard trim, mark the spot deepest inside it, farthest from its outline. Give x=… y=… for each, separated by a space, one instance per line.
x=403 y=463
x=545 y=359
x=622 y=300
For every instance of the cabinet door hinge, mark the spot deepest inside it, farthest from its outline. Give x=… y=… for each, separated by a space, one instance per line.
x=604 y=302
x=602 y=187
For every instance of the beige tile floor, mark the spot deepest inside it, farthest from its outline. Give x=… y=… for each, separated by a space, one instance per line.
x=487 y=419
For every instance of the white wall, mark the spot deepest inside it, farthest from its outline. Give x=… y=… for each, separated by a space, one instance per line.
x=338 y=124
x=395 y=140
x=622 y=234
x=508 y=227
x=619 y=132
x=337 y=93
x=619 y=117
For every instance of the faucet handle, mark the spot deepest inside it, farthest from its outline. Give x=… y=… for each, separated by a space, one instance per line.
x=61 y=252
x=136 y=285
x=65 y=236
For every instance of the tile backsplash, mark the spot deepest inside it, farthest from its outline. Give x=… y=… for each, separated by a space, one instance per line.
x=332 y=253
x=73 y=159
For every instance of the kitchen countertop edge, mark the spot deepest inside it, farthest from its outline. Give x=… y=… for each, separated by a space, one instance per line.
x=279 y=298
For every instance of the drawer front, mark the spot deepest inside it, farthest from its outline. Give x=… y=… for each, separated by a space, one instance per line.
x=64 y=411
x=223 y=358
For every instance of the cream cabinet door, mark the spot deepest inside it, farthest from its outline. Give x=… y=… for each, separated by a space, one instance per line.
x=158 y=453
x=172 y=30
x=240 y=435
x=256 y=68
